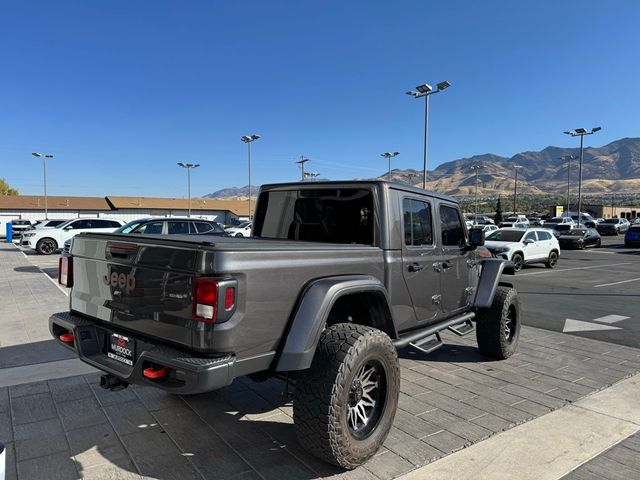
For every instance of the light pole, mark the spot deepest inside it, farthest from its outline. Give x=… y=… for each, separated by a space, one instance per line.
x=568 y=159
x=515 y=189
x=426 y=91
x=44 y=174
x=248 y=139
x=301 y=162
x=189 y=166
x=581 y=132
x=389 y=156
x=477 y=169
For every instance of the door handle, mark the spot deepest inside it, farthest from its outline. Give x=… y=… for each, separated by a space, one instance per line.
x=415 y=267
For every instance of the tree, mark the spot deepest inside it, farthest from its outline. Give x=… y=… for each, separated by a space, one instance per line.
x=6 y=189
x=498 y=217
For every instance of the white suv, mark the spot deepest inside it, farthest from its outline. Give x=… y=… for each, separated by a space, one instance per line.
x=524 y=245
x=47 y=240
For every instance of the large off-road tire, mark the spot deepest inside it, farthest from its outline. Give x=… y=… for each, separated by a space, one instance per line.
x=552 y=259
x=498 y=327
x=345 y=403
x=46 y=246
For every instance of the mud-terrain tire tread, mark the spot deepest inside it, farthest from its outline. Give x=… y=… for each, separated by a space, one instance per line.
x=490 y=323
x=320 y=400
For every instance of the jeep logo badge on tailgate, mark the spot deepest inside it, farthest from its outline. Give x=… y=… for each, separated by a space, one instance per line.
x=123 y=281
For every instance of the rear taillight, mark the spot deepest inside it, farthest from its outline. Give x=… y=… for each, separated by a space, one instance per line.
x=65 y=271
x=205 y=299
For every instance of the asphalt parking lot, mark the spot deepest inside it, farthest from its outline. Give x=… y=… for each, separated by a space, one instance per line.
x=592 y=293
x=58 y=424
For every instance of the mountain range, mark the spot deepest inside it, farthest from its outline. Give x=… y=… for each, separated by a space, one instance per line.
x=612 y=167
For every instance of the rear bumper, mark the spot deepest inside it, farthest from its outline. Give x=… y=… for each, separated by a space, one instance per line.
x=186 y=374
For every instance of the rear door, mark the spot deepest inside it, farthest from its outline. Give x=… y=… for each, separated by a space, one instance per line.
x=455 y=265
x=534 y=250
x=419 y=254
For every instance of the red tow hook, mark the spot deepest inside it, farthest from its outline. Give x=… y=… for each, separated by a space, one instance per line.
x=153 y=374
x=67 y=337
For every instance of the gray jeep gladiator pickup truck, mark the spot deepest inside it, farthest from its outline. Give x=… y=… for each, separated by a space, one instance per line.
x=336 y=277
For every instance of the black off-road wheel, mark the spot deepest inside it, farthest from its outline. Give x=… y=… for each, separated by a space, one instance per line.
x=46 y=246
x=345 y=403
x=498 y=327
x=552 y=260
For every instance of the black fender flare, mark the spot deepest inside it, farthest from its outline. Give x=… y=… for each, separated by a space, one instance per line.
x=492 y=270
x=312 y=312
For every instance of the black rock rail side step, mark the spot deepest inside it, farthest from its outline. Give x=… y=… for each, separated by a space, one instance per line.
x=428 y=344
x=415 y=336
x=463 y=329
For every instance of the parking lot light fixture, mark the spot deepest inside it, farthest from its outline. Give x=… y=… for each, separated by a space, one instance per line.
x=44 y=174
x=581 y=132
x=425 y=90
x=389 y=156
x=515 y=189
x=188 y=166
x=568 y=158
x=248 y=139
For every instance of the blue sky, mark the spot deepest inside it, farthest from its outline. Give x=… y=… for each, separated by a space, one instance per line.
x=120 y=91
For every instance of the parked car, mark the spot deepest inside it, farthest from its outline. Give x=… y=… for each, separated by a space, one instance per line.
x=632 y=237
x=172 y=226
x=580 y=238
x=558 y=229
x=488 y=228
x=242 y=230
x=524 y=246
x=559 y=221
x=535 y=221
x=19 y=225
x=515 y=221
x=585 y=218
x=49 y=223
x=47 y=240
x=613 y=226
x=481 y=220
x=326 y=291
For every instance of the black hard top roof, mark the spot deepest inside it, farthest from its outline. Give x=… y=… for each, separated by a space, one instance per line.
x=384 y=183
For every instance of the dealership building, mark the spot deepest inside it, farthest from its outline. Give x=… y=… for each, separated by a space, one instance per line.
x=31 y=207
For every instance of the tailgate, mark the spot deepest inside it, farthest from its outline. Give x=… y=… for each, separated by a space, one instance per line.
x=136 y=285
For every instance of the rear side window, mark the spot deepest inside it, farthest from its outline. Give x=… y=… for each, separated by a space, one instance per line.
x=452 y=231
x=417 y=222
x=82 y=224
x=178 y=227
x=544 y=235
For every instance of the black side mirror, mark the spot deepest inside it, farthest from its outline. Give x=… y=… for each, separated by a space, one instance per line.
x=476 y=237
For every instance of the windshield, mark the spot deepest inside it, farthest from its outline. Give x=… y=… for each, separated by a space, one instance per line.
x=555 y=220
x=505 y=236
x=127 y=227
x=576 y=232
x=611 y=220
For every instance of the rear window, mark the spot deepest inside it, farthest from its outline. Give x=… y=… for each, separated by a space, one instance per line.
x=331 y=215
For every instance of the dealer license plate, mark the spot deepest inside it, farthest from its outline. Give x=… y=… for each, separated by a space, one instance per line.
x=121 y=348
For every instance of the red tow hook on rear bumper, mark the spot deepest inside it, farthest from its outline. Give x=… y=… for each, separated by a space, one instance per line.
x=67 y=337
x=153 y=373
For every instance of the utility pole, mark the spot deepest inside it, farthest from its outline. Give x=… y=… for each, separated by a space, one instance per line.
x=581 y=132
x=188 y=166
x=477 y=169
x=515 y=188
x=44 y=174
x=301 y=162
x=568 y=158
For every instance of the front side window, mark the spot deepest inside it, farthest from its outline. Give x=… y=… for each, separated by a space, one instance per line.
x=452 y=230
x=530 y=236
x=151 y=228
x=417 y=222
x=81 y=224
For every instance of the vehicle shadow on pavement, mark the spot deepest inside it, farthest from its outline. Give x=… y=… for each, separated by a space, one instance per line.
x=447 y=354
x=236 y=432
x=33 y=353
x=27 y=269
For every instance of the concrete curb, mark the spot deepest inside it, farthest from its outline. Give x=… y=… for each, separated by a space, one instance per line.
x=550 y=446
